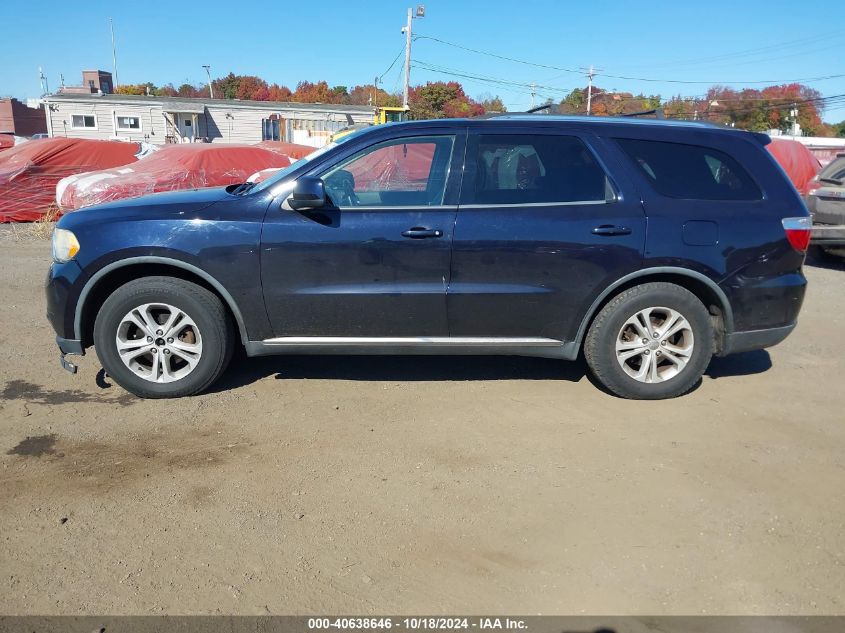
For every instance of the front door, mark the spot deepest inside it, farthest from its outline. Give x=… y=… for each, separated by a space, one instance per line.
x=186 y=126
x=542 y=227
x=375 y=261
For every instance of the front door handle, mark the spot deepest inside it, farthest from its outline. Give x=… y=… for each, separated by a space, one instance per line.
x=421 y=232
x=610 y=229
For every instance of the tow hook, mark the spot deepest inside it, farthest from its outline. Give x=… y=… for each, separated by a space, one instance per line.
x=66 y=364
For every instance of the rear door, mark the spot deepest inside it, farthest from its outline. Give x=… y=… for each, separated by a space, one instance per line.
x=544 y=224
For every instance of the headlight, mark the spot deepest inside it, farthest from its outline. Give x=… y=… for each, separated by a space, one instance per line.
x=65 y=245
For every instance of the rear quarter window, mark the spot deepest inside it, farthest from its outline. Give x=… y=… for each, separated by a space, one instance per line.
x=690 y=172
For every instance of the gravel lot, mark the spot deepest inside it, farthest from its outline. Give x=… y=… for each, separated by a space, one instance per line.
x=420 y=485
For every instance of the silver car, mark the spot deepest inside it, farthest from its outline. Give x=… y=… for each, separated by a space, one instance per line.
x=826 y=203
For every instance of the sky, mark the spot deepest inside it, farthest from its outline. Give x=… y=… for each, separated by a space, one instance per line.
x=683 y=46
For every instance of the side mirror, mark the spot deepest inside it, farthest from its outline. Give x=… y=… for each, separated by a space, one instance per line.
x=309 y=192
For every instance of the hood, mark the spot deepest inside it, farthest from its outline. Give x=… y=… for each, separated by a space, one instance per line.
x=164 y=205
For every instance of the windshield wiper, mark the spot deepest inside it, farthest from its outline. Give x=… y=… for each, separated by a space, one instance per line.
x=243 y=188
x=833 y=181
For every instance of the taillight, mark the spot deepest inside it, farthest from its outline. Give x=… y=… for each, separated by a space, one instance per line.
x=798 y=232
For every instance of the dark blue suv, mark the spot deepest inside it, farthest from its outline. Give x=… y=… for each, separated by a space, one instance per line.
x=649 y=245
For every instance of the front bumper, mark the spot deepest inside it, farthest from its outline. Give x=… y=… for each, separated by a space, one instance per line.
x=61 y=288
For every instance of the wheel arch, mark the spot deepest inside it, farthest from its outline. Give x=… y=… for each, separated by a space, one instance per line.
x=707 y=291
x=112 y=276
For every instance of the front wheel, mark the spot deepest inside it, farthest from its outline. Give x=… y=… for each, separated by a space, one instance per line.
x=650 y=342
x=163 y=337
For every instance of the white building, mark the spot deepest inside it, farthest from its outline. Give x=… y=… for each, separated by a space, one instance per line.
x=161 y=120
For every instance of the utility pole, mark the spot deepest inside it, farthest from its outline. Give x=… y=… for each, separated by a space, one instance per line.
x=590 y=74
x=45 y=88
x=533 y=94
x=407 y=31
x=113 y=54
x=208 y=72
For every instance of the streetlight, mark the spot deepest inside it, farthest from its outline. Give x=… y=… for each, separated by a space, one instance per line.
x=208 y=72
x=420 y=13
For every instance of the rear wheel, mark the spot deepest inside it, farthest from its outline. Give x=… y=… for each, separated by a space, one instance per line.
x=163 y=337
x=650 y=342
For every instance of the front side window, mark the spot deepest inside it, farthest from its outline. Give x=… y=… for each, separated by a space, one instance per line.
x=691 y=172
x=397 y=173
x=536 y=169
x=128 y=123
x=83 y=121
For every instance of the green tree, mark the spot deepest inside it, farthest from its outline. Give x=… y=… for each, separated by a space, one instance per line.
x=492 y=104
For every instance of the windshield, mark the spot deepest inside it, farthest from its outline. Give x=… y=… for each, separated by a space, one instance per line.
x=284 y=173
x=835 y=171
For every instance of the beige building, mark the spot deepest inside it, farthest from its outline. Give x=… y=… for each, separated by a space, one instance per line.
x=161 y=120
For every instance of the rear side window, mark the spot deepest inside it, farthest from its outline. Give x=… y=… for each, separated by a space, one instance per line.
x=691 y=172
x=528 y=168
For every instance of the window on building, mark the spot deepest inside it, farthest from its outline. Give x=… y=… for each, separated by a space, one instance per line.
x=691 y=172
x=398 y=173
x=270 y=130
x=128 y=123
x=536 y=169
x=83 y=121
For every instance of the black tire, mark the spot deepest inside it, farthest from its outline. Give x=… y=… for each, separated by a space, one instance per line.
x=201 y=305
x=600 y=344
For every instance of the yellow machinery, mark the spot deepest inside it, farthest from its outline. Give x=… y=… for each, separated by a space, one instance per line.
x=389 y=114
x=381 y=115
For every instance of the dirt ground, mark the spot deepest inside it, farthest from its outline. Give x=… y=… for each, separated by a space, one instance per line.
x=420 y=485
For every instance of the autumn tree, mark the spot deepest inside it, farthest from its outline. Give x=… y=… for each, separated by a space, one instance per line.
x=252 y=88
x=439 y=99
x=307 y=92
x=226 y=87
x=753 y=109
x=367 y=94
x=607 y=102
x=136 y=89
x=492 y=104
x=279 y=93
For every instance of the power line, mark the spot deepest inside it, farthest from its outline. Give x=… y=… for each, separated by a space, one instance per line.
x=395 y=59
x=631 y=78
x=462 y=73
x=751 y=52
x=497 y=56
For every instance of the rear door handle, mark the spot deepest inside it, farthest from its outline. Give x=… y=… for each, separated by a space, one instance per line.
x=421 y=232
x=610 y=229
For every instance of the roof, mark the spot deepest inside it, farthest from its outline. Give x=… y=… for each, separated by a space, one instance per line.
x=198 y=105
x=583 y=120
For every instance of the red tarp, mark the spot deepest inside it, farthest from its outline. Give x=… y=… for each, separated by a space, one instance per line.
x=395 y=167
x=796 y=160
x=7 y=141
x=172 y=167
x=30 y=171
x=292 y=150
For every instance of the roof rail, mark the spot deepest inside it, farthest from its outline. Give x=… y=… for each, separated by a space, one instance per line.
x=657 y=112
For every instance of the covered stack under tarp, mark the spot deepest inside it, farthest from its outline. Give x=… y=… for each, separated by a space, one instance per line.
x=7 y=141
x=30 y=171
x=797 y=161
x=294 y=151
x=171 y=168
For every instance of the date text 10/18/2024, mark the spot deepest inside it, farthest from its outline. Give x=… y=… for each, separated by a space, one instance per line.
x=417 y=624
